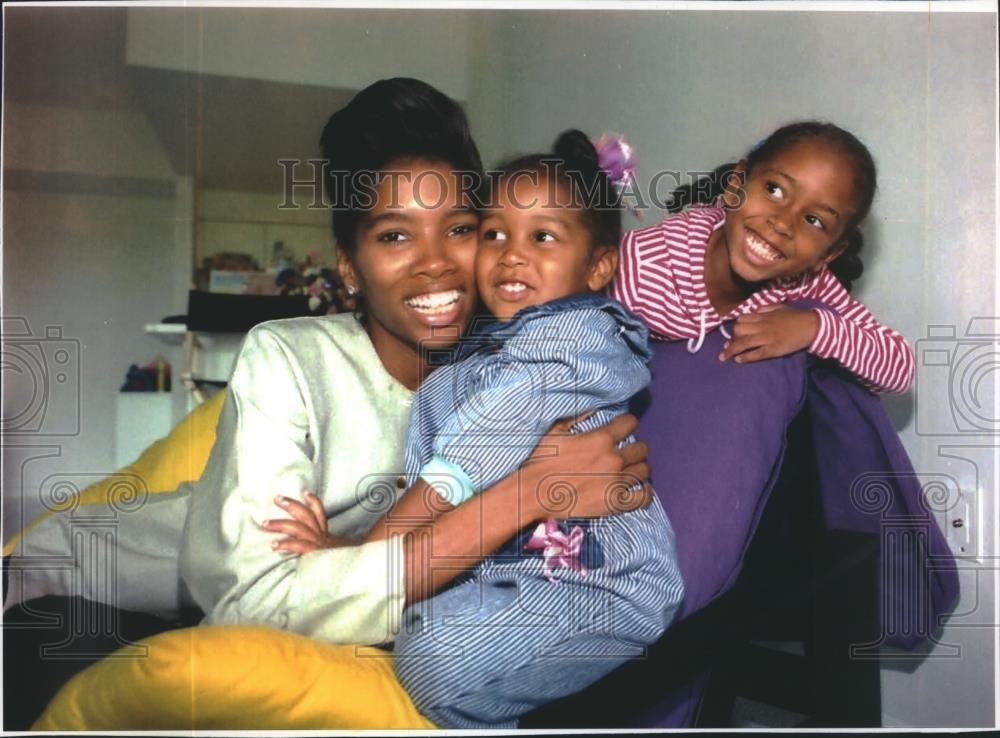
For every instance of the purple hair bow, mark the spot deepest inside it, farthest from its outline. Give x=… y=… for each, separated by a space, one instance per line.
x=616 y=157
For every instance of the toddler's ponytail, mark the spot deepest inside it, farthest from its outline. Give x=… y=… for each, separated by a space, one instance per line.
x=577 y=152
x=574 y=162
x=597 y=196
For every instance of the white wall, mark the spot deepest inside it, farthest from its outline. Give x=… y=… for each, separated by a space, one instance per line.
x=692 y=90
x=103 y=143
x=250 y=223
x=96 y=243
x=97 y=268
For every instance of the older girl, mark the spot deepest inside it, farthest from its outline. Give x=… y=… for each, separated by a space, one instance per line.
x=779 y=225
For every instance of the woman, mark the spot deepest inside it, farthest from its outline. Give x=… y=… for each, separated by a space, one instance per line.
x=322 y=405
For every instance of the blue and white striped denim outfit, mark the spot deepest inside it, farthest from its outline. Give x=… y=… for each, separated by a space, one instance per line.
x=502 y=639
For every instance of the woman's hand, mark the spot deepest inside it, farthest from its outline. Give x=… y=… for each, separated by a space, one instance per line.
x=568 y=475
x=306 y=530
x=773 y=330
x=586 y=475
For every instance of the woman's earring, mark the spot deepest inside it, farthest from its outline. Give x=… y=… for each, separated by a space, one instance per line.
x=352 y=290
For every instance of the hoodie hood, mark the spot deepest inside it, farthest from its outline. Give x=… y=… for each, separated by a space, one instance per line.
x=631 y=327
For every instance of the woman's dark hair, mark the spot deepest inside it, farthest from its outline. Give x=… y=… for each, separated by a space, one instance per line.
x=573 y=163
x=848 y=266
x=390 y=120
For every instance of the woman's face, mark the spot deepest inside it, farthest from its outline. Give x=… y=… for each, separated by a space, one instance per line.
x=412 y=264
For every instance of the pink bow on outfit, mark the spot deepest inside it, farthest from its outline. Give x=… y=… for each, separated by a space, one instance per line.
x=558 y=548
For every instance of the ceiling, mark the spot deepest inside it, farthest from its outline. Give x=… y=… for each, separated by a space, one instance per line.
x=75 y=58
x=246 y=125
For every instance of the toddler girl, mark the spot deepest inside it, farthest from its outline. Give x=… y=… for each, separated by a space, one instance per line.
x=565 y=603
x=780 y=225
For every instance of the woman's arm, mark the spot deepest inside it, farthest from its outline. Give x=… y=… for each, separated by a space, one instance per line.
x=270 y=441
x=439 y=542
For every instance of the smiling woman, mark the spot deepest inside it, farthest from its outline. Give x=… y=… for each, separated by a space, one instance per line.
x=321 y=405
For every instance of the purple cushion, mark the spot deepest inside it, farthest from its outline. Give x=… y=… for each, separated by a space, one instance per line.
x=716 y=437
x=867 y=483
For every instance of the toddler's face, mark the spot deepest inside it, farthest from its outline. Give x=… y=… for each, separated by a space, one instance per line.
x=794 y=215
x=534 y=247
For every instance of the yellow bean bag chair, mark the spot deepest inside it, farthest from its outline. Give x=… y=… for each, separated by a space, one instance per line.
x=222 y=677
x=232 y=677
x=179 y=457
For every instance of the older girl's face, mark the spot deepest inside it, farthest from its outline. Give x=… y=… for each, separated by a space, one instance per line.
x=794 y=216
x=413 y=264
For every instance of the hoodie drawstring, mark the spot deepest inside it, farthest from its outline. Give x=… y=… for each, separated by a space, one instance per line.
x=693 y=345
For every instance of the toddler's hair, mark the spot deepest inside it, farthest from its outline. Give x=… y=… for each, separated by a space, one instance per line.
x=848 y=266
x=390 y=121
x=572 y=163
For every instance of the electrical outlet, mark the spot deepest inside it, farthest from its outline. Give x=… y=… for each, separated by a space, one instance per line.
x=962 y=524
x=951 y=500
x=962 y=518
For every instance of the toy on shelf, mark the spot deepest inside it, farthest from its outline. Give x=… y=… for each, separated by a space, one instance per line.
x=230 y=273
x=154 y=377
x=321 y=284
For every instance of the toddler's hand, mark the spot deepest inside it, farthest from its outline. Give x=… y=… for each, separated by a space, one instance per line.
x=306 y=530
x=773 y=330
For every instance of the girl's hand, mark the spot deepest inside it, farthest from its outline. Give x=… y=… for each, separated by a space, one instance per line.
x=773 y=330
x=586 y=475
x=306 y=530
